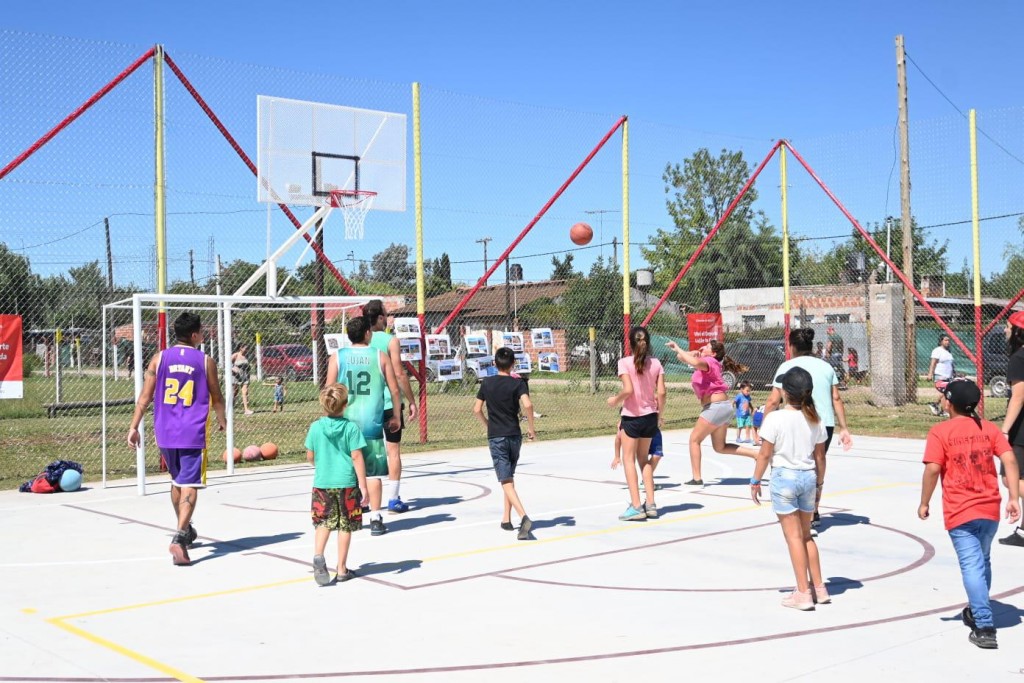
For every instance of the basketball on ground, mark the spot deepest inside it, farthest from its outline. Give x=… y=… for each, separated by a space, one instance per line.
x=581 y=234
x=269 y=450
x=251 y=453
x=237 y=454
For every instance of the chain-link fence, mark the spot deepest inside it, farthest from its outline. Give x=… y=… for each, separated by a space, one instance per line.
x=78 y=232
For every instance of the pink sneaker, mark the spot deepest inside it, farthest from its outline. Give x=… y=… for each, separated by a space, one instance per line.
x=821 y=595
x=799 y=600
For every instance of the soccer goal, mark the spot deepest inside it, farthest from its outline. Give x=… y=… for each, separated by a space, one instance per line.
x=274 y=330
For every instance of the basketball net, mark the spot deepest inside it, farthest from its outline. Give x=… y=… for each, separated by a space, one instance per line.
x=354 y=205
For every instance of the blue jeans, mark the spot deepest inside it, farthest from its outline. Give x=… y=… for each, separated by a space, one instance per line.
x=973 y=544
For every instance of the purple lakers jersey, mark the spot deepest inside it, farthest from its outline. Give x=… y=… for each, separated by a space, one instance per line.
x=181 y=403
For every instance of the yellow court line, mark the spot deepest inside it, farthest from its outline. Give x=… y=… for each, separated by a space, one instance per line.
x=567 y=537
x=130 y=654
x=186 y=598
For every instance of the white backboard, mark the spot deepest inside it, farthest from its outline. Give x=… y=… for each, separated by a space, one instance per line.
x=306 y=149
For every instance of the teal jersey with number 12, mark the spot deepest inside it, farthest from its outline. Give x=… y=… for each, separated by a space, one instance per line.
x=359 y=369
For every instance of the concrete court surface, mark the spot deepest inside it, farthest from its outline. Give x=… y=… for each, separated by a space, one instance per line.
x=88 y=591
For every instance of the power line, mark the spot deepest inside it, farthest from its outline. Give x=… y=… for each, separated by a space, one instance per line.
x=962 y=113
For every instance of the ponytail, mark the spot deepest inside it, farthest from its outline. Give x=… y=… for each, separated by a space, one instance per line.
x=805 y=403
x=639 y=342
x=728 y=364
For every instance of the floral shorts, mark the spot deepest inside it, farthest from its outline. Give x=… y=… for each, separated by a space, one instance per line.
x=338 y=509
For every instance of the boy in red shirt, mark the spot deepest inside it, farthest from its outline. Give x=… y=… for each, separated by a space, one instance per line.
x=960 y=450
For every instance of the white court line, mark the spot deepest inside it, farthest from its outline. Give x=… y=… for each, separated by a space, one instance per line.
x=68 y=563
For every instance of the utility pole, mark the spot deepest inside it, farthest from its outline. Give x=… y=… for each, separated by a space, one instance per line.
x=600 y=222
x=484 y=241
x=192 y=267
x=352 y=264
x=906 y=220
x=110 y=257
x=615 y=250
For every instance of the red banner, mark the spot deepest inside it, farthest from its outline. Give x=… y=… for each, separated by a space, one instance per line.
x=11 y=385
x=703 y=327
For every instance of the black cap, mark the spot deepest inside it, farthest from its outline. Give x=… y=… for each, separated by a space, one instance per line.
x=795 y=381
x=962 y=393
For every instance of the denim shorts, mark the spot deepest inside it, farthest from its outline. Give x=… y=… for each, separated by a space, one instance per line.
x=793 y=490
x=505 y=455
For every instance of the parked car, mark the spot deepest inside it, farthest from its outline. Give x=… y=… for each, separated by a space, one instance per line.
x=291 y=361
x=761 y=357
x=996 y=359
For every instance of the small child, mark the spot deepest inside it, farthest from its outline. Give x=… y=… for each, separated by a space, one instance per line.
x=960 y=451
x=503 y=395
x=853 y=364
x=757 y=421
x=744 y=413
x=280 y=391
x=334 y=447
x=655 y=453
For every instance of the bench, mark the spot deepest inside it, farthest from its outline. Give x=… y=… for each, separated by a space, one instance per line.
x=53 y=408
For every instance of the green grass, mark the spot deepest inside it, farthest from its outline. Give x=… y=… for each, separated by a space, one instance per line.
x=31 y=440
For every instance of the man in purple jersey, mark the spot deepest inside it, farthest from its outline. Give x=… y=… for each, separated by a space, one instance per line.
x=187 y=379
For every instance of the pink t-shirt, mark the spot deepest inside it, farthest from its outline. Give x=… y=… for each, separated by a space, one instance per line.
x=644 y=400
x=707 y=382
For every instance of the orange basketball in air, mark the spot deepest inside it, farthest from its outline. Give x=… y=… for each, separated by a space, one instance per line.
x=581 y=234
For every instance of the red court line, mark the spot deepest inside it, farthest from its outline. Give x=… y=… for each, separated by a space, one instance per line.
x=926 y=557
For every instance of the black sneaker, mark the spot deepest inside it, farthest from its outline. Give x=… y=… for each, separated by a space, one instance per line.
x=524 y=529
x=968 y=618
x=191 y=536
x=816 y=521
x=1013 y=539
x=377 y=527
x=695 y=482
x=985 y=638
x=507 y=526
x=179 y=550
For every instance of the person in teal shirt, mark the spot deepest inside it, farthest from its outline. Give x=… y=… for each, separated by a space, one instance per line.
x=388 y=344
x=368 y=376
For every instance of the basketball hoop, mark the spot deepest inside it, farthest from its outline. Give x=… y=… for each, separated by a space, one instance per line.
x=354 y=205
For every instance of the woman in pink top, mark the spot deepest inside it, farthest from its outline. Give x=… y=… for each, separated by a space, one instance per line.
x=642 y=398
x=711 y=391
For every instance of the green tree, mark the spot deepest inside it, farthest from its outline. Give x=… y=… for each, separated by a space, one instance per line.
x=85 y=295
x=745 y=253
x=563 y=269
x=841 y=263
x=587 y=304
x=391 y=266
x=438 y=275
x=21 y=292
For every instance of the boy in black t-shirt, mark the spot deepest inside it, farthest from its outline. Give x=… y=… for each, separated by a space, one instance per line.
x=503 y=394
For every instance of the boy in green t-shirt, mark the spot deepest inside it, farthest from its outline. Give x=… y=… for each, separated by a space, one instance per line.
x=334 y=447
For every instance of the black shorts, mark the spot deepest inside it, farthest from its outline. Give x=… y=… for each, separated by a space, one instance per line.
x=1018 y=452
x=396 y=436
x=829 y=431
x=643 y=427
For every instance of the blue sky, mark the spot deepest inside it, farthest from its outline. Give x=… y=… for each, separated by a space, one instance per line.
x=738 y=74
